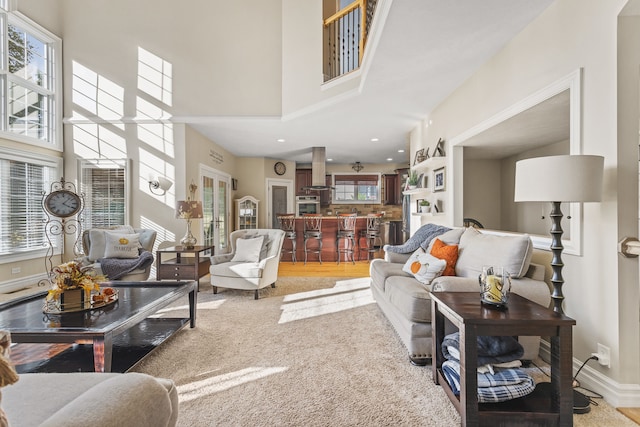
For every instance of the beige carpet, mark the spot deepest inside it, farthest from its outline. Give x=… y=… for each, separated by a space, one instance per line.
x=317 y=359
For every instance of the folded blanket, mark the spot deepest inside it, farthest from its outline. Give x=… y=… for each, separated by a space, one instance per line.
x=491 y=350
x=421 y=238
x=505 y=384
x=115 y=268
x=489 y=367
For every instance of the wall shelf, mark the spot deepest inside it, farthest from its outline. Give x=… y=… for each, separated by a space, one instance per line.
x=427 y=214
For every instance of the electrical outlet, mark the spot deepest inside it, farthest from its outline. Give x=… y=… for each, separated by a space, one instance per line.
x=603 y=355
x=15 y=270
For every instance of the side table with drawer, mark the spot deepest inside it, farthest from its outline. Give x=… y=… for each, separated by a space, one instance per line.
x=180 y=263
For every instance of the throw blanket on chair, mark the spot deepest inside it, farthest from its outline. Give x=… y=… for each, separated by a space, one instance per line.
x=115 y=268
x=421 y=238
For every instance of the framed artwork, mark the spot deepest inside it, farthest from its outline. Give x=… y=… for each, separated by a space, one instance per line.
x=439 y=150
x=438 y=179
x=420 y=180
x=419 y=157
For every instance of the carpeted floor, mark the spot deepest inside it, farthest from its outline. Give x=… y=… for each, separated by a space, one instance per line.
x=324 y=357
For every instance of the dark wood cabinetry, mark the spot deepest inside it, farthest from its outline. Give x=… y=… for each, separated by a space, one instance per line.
x=391 y=196
x=303 y=179
x=325 y=195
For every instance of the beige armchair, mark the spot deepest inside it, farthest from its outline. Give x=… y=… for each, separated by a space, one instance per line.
x=123 y=253
x=253 y=261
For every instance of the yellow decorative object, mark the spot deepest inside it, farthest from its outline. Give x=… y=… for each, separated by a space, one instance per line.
x=124 y=241
x=71 y=287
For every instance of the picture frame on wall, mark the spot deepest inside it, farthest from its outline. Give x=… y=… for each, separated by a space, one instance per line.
x=439 y=179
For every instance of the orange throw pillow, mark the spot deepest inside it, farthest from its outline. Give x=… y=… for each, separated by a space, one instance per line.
x=448 y=253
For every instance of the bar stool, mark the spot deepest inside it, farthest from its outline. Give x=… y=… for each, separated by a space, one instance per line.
x=372 y=235
x=346 y=232
x=288 y=225
x=312 y=231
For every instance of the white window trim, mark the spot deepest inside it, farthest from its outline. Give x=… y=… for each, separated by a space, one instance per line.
x=55 y=131
x=56 y=162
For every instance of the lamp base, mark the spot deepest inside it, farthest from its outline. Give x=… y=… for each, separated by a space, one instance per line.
x=188 y=241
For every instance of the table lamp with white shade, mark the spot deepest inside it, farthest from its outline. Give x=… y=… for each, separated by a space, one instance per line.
x=556 y=179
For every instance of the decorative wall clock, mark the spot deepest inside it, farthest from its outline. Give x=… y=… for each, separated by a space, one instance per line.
x=280 y=168
x=62 y=207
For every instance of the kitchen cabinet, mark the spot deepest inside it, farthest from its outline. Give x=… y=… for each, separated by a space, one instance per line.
x=325 y=195
x=391 y=194
x=303 y=179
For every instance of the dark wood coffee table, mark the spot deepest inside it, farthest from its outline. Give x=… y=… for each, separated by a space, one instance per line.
x=546 y=406
x=137 y=301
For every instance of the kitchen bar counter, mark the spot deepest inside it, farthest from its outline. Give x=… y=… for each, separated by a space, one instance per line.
x=329 y=231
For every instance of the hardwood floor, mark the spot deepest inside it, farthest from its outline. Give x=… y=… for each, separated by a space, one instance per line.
x=326 y=269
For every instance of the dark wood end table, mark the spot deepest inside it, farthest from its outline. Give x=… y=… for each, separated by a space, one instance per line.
x=523 y=317
x=180 y=263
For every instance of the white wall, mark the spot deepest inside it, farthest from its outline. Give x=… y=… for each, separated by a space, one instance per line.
x=601 y=288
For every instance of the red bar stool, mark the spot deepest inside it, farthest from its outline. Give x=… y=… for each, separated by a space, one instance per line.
x=371 y=236
x=312 y=231
x=347 y=233
x=288 y=225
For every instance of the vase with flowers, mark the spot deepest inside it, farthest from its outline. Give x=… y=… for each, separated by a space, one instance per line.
x=71 y=288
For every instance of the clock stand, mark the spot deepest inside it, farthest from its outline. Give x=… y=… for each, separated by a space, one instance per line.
x=62 y=207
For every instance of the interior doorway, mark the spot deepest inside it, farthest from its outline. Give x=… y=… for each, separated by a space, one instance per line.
x=279 y=199
x=216 y=199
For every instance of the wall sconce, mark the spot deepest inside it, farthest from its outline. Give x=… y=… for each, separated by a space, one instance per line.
x=357 y=166
x=161 y=183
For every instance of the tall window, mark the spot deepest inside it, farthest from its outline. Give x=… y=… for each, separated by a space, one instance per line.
x=356 y=188
x=29 y=79
x=23 y=179
x=103 y=185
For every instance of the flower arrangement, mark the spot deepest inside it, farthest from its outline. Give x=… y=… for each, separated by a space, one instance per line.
x=71 y=276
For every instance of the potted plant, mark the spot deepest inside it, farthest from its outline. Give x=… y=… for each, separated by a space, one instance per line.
x=412 y=181
x=424 y=206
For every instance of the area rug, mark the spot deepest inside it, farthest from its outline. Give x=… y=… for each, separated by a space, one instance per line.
x=313 y=352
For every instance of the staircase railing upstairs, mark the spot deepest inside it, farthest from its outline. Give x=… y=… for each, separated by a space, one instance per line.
x=345 y=36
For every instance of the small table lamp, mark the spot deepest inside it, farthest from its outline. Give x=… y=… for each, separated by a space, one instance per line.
x=188 y=209
x=559 y=179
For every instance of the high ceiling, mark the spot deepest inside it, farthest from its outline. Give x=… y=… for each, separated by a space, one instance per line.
x=426 y=49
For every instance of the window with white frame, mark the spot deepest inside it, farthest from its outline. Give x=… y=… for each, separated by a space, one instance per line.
x=105 y=197
x=356 y=188
x=30 y=83
x=24 y=178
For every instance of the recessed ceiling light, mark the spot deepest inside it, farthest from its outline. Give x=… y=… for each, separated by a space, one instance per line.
x=329 y=160
x=281 y=140
x=401 y=151
x=389 y=159
x=374 y=140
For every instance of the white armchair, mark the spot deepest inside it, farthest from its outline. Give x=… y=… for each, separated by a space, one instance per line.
x=253 y=261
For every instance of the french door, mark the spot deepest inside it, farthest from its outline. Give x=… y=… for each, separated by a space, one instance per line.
x=216 y=199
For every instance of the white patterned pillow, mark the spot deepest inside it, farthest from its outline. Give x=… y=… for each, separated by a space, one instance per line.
x=248 y=250
x=423 y=266
x=118 y=245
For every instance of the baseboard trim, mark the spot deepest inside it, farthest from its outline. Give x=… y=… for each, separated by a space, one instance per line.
x=614 y=393
x=9 y=286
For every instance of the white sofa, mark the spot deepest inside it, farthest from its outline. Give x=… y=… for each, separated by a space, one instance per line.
x=407 y=304
x=90 y=399
x=249 y=266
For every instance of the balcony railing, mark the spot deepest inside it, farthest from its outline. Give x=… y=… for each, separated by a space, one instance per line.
x=345 y=36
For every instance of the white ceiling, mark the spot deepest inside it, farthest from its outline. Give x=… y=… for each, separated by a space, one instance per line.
x=427 y=48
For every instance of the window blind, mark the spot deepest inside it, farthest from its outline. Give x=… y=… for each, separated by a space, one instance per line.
x=103 y=185
x=22 y=186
